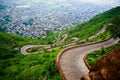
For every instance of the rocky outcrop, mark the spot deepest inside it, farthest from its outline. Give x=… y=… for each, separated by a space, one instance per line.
x=106 y=68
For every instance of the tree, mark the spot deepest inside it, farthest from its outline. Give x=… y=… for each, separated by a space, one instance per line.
x=114 y=27
x=102 y=51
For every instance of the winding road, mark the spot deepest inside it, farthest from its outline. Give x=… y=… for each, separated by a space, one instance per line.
x=23 y=49
x=70 y=61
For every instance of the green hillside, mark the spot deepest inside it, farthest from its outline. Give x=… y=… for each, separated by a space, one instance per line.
x=9 y=42
x=96 y=55
x=114 y=29
x=93 y=25
x=15 y=66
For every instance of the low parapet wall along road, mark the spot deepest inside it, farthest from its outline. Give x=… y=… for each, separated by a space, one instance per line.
x=70 y=60
x=23 y=49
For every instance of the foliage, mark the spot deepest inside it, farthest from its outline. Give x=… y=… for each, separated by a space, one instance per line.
x=15 y=66
x=36 y=49
x=32 y=67
x=93 y=25
x=114 y=27
x=102 y=36
x=33 y=49
x=94 y=56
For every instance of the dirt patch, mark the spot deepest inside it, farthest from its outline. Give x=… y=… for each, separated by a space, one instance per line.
x=106 y=68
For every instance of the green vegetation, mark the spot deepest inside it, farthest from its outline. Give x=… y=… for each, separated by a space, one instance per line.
x=113 y=30
x=94 y=56
x=32 y=67
x=102 y=36
x=36 y=49
x=15 y=66
x=93 y=25
x=114 y=27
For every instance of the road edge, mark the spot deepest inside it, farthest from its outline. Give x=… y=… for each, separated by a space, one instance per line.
x=72 y=47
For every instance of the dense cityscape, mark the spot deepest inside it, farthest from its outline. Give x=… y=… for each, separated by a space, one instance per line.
x=35 y=18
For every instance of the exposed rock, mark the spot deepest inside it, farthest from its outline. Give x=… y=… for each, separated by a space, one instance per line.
x=106 y=68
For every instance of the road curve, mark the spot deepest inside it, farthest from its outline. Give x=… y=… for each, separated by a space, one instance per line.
x=70 y=61
x=24 y=48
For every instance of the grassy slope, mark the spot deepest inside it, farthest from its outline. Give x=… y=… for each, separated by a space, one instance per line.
x=14 y=65
x=94 y=56
x=93 y=25
x=9 y=42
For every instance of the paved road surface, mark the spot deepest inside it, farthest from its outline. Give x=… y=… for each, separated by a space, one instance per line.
x=72 y=63
x=24 y=48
